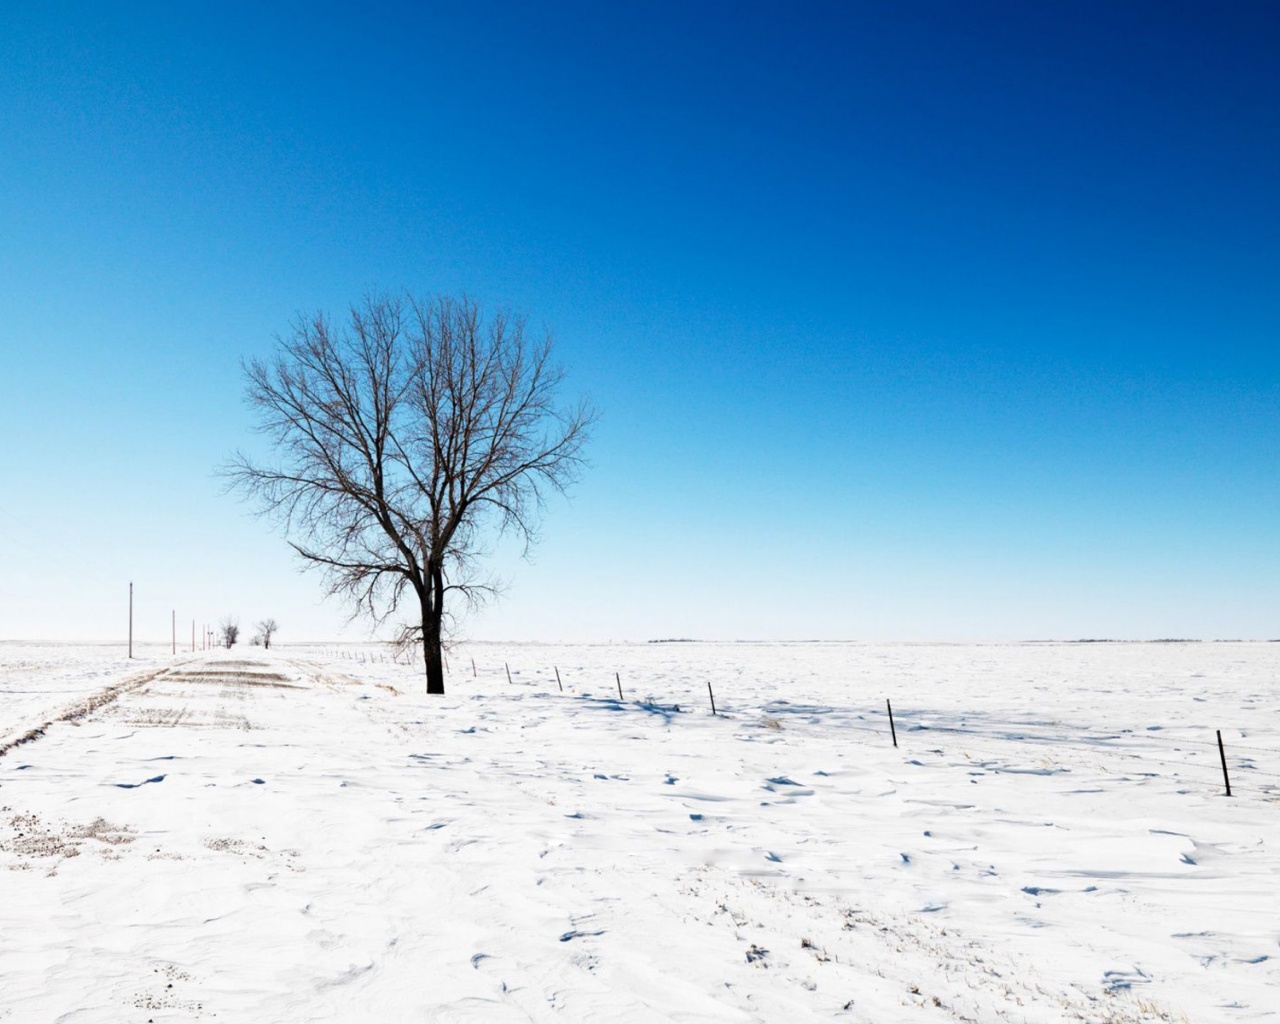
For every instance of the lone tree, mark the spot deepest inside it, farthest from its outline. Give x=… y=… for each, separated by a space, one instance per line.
x=408 y=437
x=266 y=630
x=230 y=630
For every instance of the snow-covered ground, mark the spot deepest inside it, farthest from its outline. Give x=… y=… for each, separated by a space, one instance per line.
x=301 y=835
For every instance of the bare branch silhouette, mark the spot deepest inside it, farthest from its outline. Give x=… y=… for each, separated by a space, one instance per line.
x=267 y=629
x=406 y=438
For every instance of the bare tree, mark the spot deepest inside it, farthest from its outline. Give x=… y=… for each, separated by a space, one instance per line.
x=409 y=437
x=266 y=630
x=230 y=632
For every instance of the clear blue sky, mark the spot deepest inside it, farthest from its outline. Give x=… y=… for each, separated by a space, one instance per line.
x=908 y=320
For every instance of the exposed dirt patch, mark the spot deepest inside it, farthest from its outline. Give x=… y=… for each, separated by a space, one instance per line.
x=27 y=836
x=154 y=718
x=225 y=678
x=235 y=846
x=226 y=720
x=169 y=718
x=103 y=832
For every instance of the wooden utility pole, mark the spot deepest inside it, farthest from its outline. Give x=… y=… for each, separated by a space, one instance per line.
x=131 y=620
x=193 y=636
x=173 y=629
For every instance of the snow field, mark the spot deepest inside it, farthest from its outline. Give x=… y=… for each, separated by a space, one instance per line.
x=303 y=836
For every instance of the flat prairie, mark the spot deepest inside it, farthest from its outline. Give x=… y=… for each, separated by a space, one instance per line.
x=302 y=834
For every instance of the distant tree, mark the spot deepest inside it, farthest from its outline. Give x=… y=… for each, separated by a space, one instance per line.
x=408 y=438
x=230 y=632
x=266 y=630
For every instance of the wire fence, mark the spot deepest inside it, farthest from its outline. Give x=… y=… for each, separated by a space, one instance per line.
x=1009 y=746
x=998 y=745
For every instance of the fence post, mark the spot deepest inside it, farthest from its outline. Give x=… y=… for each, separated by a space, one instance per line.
x=558 y=683
x=712 y=694
x=508 y=668
x=1223 y=754
x=619 y=679
x=892 y=727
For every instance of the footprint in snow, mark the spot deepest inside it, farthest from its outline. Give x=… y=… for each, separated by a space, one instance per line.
x=575 y=934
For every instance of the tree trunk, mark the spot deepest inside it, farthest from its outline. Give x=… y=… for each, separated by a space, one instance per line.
x=431 y=643
x=435 y=669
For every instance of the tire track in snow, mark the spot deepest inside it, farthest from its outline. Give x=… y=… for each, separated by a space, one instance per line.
x=86 y=706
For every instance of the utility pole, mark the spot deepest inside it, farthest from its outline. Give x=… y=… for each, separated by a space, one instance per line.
x=130 y=619
x=173 y=629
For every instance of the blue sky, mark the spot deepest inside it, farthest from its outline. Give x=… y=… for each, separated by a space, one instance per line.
x=908 y=321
